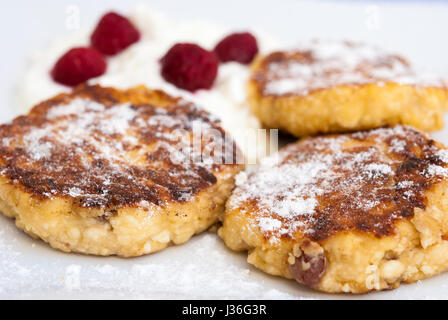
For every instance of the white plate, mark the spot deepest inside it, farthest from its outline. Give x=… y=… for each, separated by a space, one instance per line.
x=203 y=268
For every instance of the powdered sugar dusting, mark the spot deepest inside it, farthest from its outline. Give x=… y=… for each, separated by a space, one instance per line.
x=85 y=150
x=340 y=179
x=330 y=63
x=435 y=170
x=269 y=224
x=76 y=122
x=443 y=154
x=75 y=107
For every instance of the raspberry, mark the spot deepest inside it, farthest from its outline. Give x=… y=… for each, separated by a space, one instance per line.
x=239 y=47
x=78 y=65
x=113 y=34
x=189 y=67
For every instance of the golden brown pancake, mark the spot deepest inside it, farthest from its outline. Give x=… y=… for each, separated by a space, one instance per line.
x=346 y=213
x=336 y=86
x=103 y=171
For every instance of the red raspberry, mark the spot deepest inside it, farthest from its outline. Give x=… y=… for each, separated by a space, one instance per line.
x=113 y=34
x=189 y=67
x=239 y=47
x=78 y=65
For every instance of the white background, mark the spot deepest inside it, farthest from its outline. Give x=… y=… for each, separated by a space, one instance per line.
x=203 y=268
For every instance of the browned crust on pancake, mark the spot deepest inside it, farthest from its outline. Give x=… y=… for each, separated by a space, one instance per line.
x=262 y=75
x=338 y=208
x=156 y=180
x=418 y=155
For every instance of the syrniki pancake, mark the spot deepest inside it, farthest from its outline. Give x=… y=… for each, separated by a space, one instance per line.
x=102 y=171
x=328 y=86
x=346 y=213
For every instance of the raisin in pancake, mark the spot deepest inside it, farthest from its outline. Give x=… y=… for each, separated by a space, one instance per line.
x=332 y=86
x=102 y=171
x=346 y=213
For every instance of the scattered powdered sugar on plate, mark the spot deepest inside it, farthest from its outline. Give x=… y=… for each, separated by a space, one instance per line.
x=321 y=184
x=322 y=64
x=26 y=273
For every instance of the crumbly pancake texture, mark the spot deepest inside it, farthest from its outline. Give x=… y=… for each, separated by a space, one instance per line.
x=346 y=213
x=108 y=172
x=331 y=86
